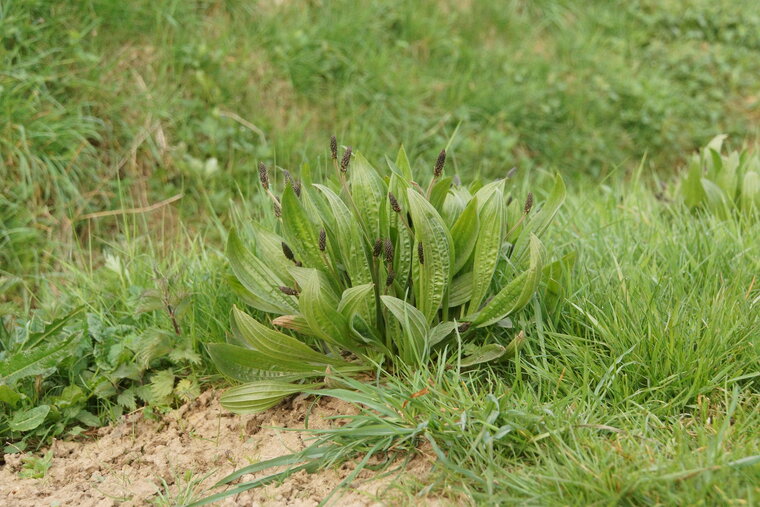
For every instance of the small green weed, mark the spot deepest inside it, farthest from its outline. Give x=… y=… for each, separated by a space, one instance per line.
x=36 y=467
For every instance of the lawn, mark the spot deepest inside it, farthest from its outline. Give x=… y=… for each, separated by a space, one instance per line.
x=130 y=144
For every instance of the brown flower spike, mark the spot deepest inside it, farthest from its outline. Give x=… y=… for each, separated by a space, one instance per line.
x=438 y=170
x=333 y=148
x=290 y=291
x=345 y=160
x=288 y=252
x=263 y=177
x=528 y=203
x=390 y=278
x=394 y=202
x=388 y=251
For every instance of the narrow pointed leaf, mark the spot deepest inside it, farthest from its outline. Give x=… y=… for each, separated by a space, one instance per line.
x=438 y=248
x=299 y=231
x=517 y=293
x=256 y=277
x=465 y=233
x=484 y=354
x=258 y=396
x=487 y=247
x=246 y=365
x=277 y=346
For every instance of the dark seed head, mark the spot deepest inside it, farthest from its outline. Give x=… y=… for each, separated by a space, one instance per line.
x=263 y=177
x=333 y=148
x=394 y=202
x=511 y=172
x=290 y=291
x=438 y=169
x=322 y=240
x=464 y=326
x=293 y=182
x=390 y=278
x=378 y=248
x=277 y=210
x=345 y=160
x=528 y=203
x=420 y=253
x=288 y=252
x=388 y=251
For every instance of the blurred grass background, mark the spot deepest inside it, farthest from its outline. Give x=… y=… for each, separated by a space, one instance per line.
x=109 y=105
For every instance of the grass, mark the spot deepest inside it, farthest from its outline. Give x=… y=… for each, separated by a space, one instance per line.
x=640 y=386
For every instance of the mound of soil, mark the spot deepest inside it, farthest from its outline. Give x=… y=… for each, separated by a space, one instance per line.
x=141 y=461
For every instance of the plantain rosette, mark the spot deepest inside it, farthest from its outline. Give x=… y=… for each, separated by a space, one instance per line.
x=368 y=269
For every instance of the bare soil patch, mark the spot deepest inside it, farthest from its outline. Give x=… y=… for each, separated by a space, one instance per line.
x=125 y=464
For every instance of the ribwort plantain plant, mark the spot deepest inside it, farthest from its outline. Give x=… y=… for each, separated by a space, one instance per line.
x=366 y=270
x=722 y=184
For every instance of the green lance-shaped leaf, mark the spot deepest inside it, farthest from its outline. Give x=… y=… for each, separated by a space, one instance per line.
x=487 y=247
x=269 y=247
x=750 y=197
x=259 y=396
x=348 y=236
x=715 y=144
x=438 y=248
x=439 y=192
x=691 y=188
x=370 y=196
x=353 y=298
x=296 y=322
x=246 y=365
x=286 y=352
x=249 y=298
x=300 y=232
x=728 y=177
x=414 y=324
x=465 y=234
x=257 y=278
x=440 y=333
x=321 y=312
x=716 y=199
x=461 y=289
x=399 y=233
x=402 y=162
x=517 y=293
x=540 y=221
x=483 y=354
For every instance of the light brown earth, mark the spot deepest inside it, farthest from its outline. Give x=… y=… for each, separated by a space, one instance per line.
x=125 y=464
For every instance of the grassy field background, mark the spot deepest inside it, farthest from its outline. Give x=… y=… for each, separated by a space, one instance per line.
x=641 y=386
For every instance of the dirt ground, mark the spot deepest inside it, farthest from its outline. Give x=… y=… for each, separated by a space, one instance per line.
x=128 y=463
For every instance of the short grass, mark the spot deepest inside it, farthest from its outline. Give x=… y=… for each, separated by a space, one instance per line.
x=641 y=386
